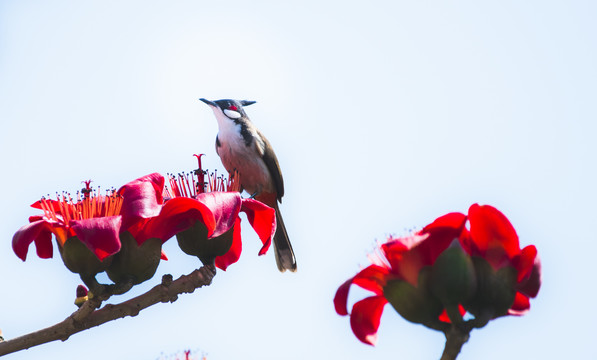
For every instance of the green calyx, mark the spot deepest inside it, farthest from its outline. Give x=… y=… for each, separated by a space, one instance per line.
x=415 y=304
x=453 y=278
x=194 y=241
x=495 y=290
x=79 y=259
x=134 y=263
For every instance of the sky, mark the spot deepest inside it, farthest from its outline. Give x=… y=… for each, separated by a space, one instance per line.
x=383 y=114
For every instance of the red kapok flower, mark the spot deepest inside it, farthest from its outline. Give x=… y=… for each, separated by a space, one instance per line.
x=493 y=239
x=88 y=228
x=443 y=267
x=400 y=275
x=202 y=210
x=94 y=219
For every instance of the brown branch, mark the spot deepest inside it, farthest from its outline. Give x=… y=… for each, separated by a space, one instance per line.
x=87 y=317
x=456 y=337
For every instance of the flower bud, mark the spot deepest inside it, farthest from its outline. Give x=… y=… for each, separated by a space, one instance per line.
x=81 y=295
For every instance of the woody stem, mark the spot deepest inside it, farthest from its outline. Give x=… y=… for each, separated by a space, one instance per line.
x=456 y=336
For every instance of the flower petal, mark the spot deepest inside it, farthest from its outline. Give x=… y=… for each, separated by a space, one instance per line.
x=372 y=278
x=39 y=231
x=452 y=221
x=341 y=298
x=142 y=199
x=394 y=250
x=493 y=234
x=263 y=220
x=521 y=305
x=236 y=248
x=178 y=214
x=524 y=261
x=163 y=256
x=444 y=315
x=224 y=206
x=100 y=235
x=442 y=231
x=365 y=318
x=531 y=285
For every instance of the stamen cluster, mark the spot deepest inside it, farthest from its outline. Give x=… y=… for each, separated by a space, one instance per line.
x=88 y=203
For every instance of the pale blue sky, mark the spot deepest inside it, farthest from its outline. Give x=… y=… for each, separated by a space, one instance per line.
x=384 y=115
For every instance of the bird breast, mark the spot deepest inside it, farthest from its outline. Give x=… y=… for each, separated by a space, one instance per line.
x=244 y=156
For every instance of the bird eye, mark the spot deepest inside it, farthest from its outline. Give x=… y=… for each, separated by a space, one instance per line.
x=233 y=107
x=232 y=114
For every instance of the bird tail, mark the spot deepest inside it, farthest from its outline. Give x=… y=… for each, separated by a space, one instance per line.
x=283 y=249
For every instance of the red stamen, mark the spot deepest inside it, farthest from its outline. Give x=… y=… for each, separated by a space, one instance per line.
x=90 y=206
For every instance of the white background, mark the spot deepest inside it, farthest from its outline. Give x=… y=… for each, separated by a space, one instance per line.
x=384 y=115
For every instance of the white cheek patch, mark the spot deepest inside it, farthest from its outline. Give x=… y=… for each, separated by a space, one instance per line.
x=232 y=114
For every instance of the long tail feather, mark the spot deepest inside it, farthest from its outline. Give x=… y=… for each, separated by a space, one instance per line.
x=285 y=258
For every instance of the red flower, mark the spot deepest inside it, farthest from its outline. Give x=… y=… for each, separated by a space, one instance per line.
x=493 y=238
x=88 y=228
x=95 y=220
x=484 y=272
x=399 y=263
x=205 y=217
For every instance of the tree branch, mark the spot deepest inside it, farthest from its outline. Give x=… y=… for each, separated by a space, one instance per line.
x=87 y=316
x=456 y=336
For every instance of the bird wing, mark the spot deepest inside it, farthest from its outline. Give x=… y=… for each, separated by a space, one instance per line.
x=271 y=161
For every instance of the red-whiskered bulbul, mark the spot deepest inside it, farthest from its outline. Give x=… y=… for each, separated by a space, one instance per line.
x=242 y=147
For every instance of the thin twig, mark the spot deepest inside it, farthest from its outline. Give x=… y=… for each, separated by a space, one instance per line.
x=87 y=317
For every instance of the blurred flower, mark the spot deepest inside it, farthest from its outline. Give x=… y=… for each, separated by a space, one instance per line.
x=202 y=211
x=505 y=271
x=434 y=276
x=397 y=276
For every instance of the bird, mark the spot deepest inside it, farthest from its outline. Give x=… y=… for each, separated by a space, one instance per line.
x=244 y=149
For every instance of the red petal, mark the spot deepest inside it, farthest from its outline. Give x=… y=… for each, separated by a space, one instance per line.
x=236 y=248
x=142 y=199
x=38 y=231
x=444 y=315
x=263 y=220
x=452 y=221
x=163 y=256
x=524 y=261
x=177 y=214
x=520 y=306
x=394 y=249
x=372 y=278
x=99 y=234
x=224 y=206
x=341 y=298
x=493 y=234
x=365 y=318
x=441 y=232
x=55 y=205
x=531 y=285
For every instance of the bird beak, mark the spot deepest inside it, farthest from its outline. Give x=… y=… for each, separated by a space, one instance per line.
x=210 y=103
x=247 y=102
